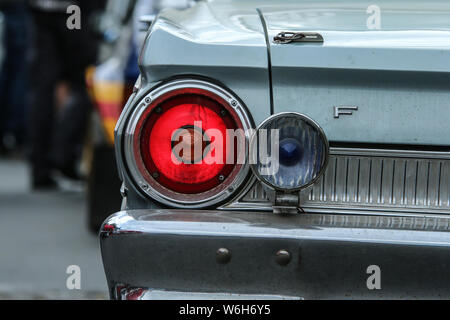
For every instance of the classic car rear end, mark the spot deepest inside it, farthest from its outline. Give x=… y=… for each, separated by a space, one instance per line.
x=358 y=204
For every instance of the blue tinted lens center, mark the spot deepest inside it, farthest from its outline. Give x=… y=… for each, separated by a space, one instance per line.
x=290 y=152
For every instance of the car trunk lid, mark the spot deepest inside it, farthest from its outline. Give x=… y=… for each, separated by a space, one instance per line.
x=367 y=86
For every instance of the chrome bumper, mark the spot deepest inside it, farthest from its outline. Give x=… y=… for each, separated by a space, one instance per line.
x=161 y=252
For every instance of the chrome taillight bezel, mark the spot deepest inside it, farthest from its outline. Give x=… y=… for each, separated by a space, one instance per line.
x=133 y=158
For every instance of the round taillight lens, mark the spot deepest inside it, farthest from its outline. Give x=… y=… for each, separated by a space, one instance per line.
x=170 y=135
x=183 y=153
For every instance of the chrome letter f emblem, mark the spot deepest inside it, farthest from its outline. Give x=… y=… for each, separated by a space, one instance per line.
x=344 y=110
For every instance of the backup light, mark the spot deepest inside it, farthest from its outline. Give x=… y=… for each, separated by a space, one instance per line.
x=289 y=152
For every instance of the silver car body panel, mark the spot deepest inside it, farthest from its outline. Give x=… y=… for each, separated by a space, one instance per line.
x=229 y=50
x=397 y=76
x=400 y=100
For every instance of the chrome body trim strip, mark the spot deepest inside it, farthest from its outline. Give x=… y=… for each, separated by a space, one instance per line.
x=151 y=294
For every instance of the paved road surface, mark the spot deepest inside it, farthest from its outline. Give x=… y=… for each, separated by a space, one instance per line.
x=41 y=234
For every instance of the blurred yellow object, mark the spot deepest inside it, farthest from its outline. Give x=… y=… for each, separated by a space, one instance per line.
x=109 y=126
x=108 y=97
x=109 y=94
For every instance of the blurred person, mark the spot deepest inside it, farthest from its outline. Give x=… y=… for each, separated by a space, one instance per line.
x=13 y=77
x=59 y=54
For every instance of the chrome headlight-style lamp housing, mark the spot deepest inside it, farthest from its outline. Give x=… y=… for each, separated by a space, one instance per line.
x=289 y=152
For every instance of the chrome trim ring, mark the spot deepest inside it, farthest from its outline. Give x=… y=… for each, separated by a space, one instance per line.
x=146 y=183
x=310 y=122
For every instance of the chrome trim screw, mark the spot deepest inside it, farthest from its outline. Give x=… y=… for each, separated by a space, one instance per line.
x=223 y=256
x=283 y=257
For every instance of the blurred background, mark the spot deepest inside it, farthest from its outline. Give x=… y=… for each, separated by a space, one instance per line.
x=64 y=78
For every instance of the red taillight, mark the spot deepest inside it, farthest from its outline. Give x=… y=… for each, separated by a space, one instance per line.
x=181 y=148
x=193 y=115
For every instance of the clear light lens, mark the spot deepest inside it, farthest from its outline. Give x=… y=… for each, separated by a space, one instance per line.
x=296 y=155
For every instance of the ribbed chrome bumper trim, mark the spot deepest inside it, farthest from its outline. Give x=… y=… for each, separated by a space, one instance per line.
x=369 y=180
